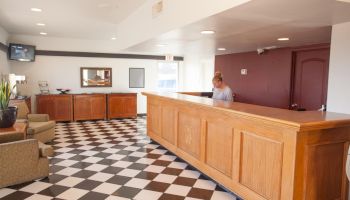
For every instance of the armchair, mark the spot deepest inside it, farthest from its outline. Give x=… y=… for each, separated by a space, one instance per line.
x=40 y=127
x=22 y=161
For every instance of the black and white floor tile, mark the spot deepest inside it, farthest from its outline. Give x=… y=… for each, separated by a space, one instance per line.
x=115 y=160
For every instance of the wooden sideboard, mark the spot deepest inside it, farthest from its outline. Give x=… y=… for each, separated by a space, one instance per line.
x=122 y=105
x=89 y=106
x=259 y=153
x=75 y=107
x=58 y=106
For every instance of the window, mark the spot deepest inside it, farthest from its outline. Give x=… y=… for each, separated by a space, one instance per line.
x=167 y=76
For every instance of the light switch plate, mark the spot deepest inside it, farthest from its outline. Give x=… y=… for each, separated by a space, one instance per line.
x=244 y=71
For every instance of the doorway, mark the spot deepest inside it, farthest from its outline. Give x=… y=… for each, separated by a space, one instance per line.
x=310 y=78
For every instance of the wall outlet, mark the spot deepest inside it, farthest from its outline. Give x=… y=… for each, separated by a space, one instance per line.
x=244 y=71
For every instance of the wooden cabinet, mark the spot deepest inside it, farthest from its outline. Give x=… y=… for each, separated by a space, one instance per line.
x=68 y=107
x=122 y=105
x=89 y=106
x=59 y=107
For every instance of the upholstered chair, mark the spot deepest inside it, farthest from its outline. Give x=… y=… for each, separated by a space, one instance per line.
x=40 y=127
x=23 y=160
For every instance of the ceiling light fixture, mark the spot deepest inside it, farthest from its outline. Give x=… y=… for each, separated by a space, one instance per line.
x=207 y=32
x=345 y=1
x=162 y=45
x=283 y=39
x=43 y=33
x=36 y=9
x=221 y=49
x=113 y=38
x=103 y=5
x=40 y=24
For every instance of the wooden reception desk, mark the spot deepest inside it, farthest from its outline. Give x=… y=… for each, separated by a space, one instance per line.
x=257 y=152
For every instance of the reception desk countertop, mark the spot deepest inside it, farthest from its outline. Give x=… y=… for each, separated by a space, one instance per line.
x=301 y=119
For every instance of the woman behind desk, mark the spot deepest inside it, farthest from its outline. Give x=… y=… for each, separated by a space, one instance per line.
x=221 y=91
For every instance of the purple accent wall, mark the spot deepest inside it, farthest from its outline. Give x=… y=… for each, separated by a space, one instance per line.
x=268 y=81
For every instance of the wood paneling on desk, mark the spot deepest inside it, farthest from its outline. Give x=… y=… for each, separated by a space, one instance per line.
x=257 y=152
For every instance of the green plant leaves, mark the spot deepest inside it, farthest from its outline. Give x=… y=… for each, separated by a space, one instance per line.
x=5 y=93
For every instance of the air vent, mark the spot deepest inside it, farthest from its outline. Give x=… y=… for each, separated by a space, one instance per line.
x=157 y=9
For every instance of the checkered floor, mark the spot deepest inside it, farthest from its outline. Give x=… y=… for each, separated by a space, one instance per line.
x=115 y=160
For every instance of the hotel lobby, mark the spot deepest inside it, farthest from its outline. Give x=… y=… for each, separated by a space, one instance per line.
x=174 y=100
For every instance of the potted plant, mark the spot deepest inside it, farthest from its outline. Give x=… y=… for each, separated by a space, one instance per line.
x=8 y=114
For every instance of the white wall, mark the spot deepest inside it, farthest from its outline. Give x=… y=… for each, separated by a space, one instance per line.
x=198 y=67
x=339 y=70
x=64 y=72
x=4 y=66
x=195 y=72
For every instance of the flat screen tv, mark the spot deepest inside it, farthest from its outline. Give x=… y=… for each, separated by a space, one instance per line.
x=21 y=52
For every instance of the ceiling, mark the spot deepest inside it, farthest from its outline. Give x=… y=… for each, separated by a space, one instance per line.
x=253 y=25
x=83 y=19
x=256 y=24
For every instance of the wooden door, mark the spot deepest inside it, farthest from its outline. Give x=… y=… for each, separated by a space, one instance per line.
x=98 y=106
x=310 y=79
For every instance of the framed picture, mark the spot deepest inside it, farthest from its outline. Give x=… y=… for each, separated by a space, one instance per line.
x=95 y=77
x=136 y=77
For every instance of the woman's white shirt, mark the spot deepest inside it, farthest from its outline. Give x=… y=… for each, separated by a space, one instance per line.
x=223 y=94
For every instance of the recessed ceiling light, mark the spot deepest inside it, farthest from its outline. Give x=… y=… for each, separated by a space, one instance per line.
x=36 y=9
x=346 y=1
x=162 y=45
x=103 y=5
x=43 y=33
x=40 y=24
x=221 y=49
x=207 y=32
x=283 y=39
x=113 y=38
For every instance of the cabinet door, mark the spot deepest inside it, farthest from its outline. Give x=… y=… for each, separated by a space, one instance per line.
x=122 y=106
x=82 y=107
x=63 y=108
x=46 y=105
x=98 y=107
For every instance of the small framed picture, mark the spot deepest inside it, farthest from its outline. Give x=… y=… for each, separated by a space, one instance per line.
x=136 y=77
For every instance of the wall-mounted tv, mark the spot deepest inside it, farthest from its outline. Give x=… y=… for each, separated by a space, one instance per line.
x=21 y=52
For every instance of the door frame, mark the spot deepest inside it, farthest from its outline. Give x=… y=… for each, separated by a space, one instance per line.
x=293 y=68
